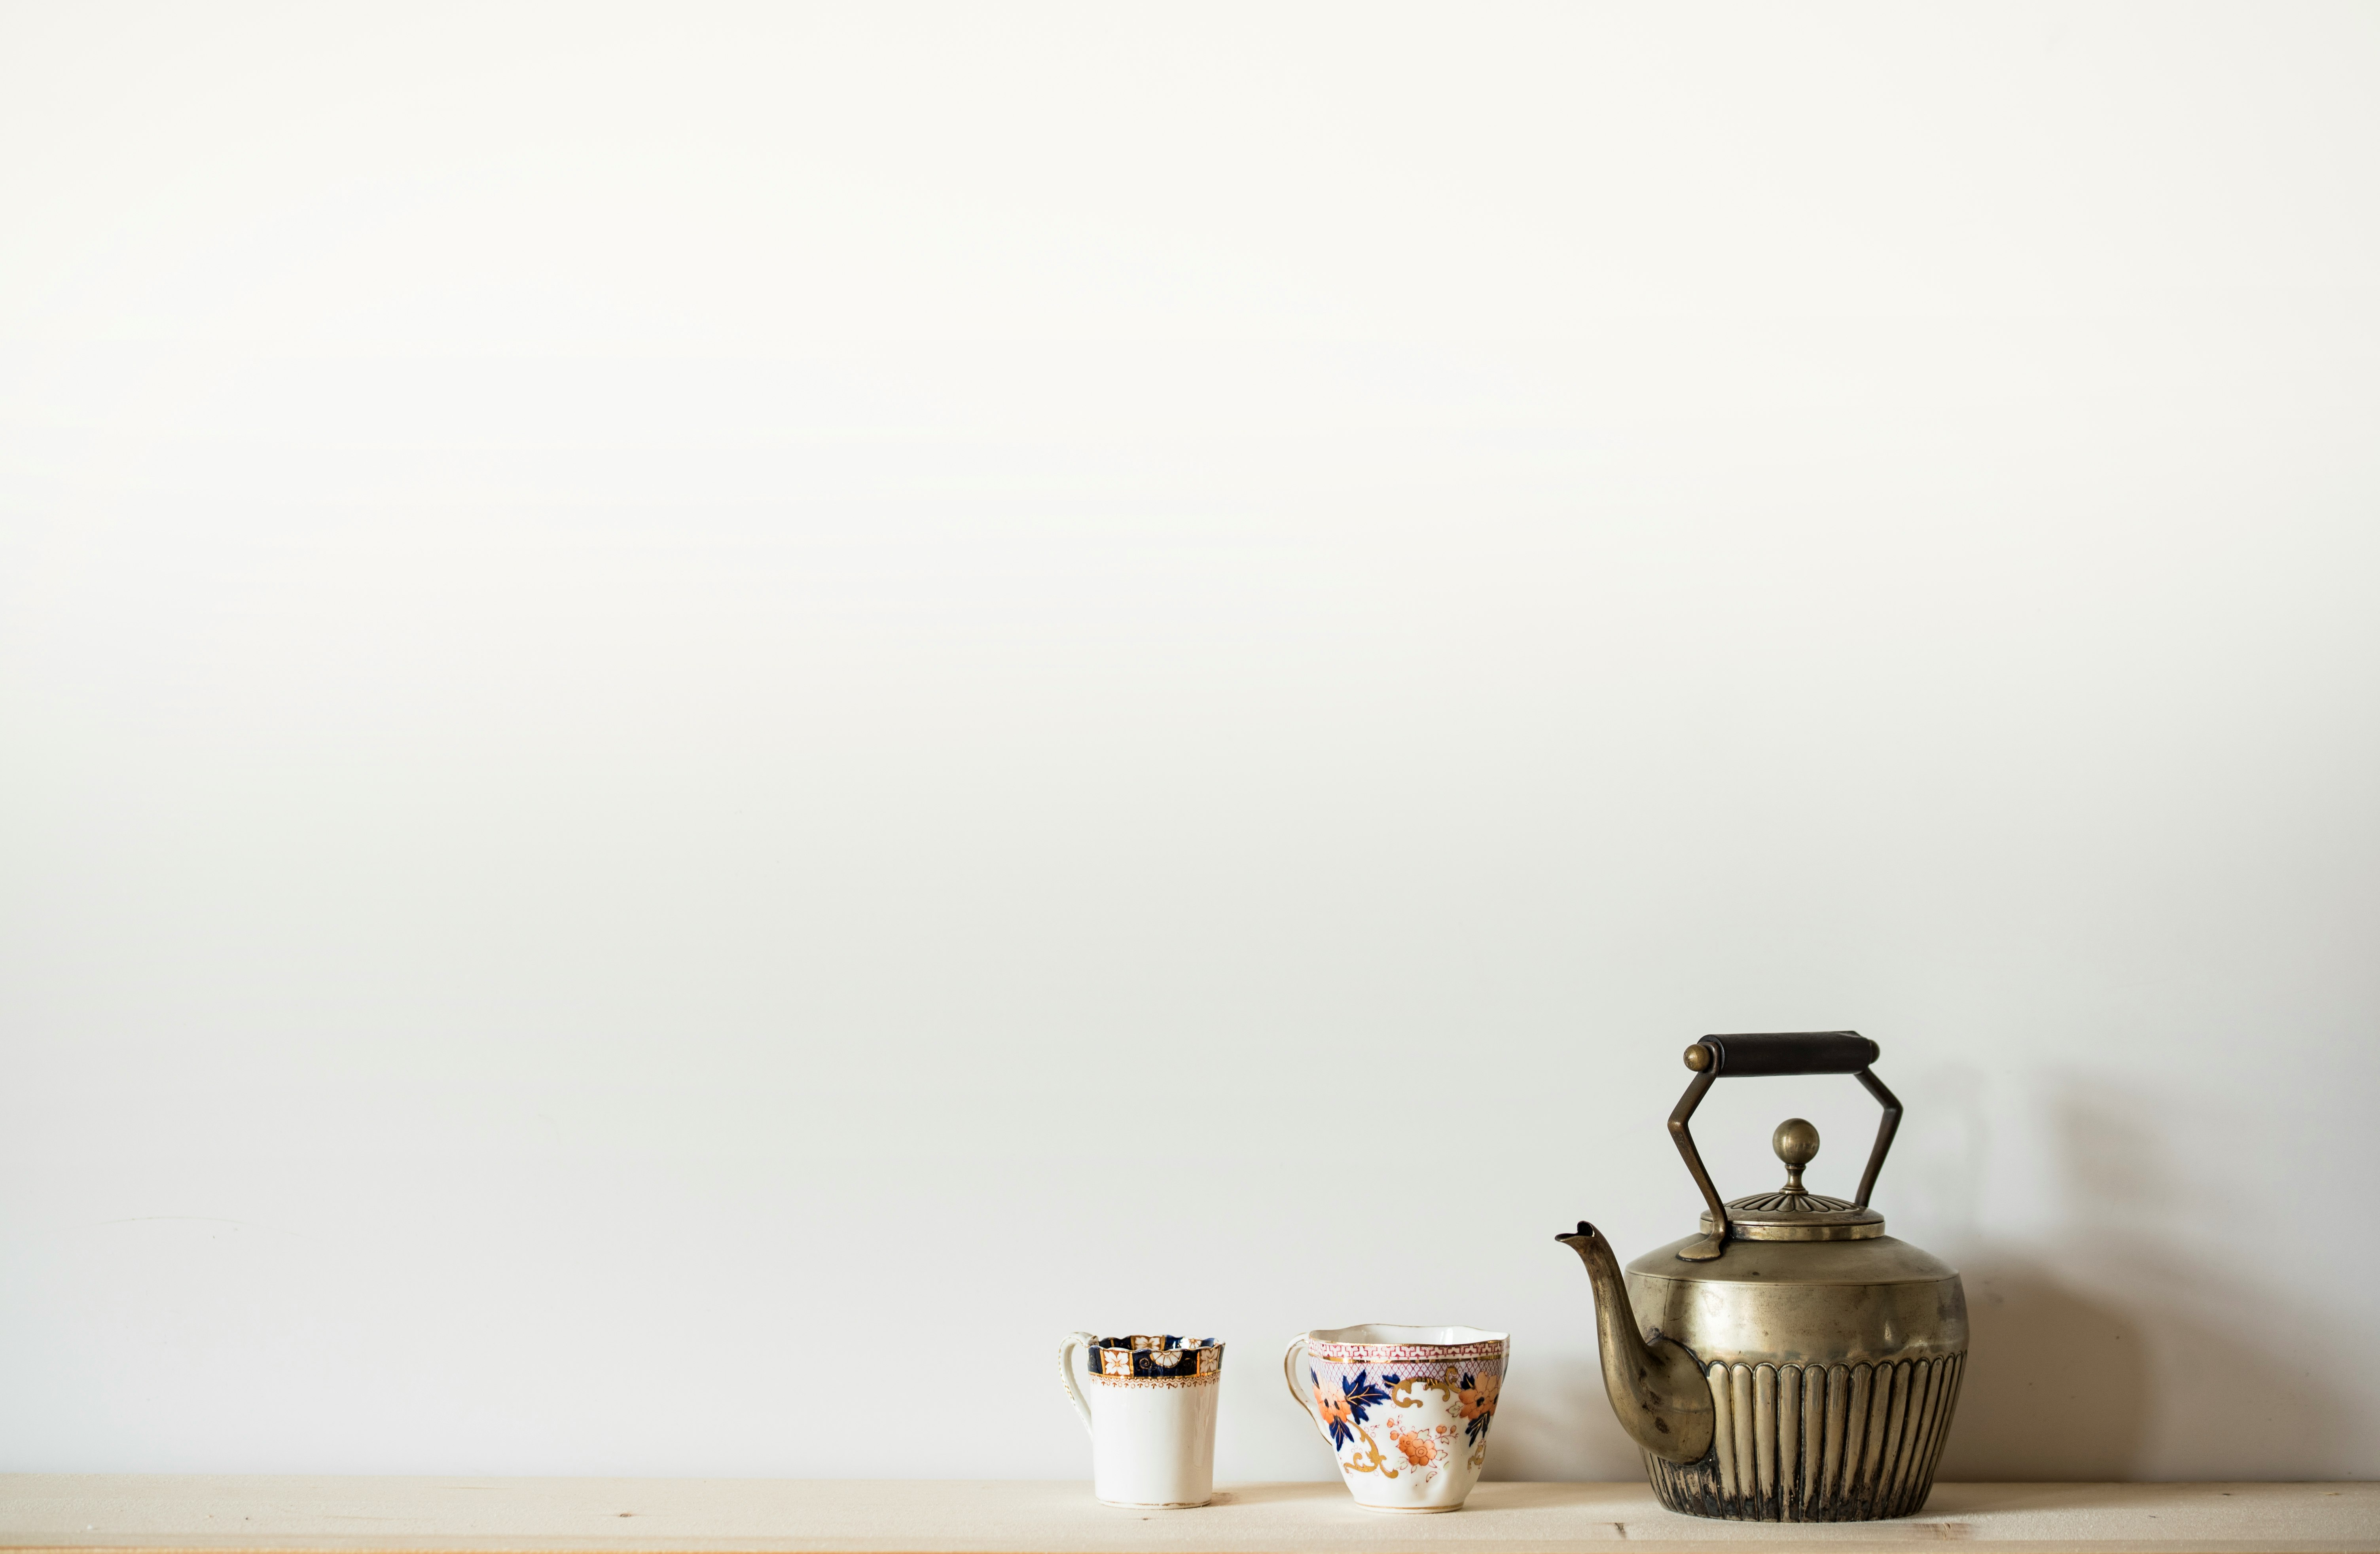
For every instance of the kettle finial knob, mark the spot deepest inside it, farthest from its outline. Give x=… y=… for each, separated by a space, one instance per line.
x=1796 y=1143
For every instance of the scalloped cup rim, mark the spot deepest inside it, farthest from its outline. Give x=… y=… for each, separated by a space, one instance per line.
x=1387 y=1335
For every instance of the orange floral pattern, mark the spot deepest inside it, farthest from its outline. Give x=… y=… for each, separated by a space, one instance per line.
x=1421 y=1447
x=1476 y=1402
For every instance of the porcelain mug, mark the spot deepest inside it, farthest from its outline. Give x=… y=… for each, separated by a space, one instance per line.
x=1405 y=1408
x=1153 y=1432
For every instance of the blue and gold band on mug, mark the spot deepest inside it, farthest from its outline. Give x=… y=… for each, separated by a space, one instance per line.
x=1156 y=1356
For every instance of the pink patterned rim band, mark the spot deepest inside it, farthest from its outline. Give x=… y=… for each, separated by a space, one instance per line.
x=1377 y=1354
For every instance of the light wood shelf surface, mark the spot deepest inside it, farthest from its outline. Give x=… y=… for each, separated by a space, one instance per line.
x=895 y=1516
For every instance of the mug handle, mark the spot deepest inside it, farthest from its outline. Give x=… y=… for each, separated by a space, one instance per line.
x=1066 y=1371
x=1289 y=1374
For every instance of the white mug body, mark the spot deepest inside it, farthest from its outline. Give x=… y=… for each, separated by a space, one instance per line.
x=1152 y=1443
x=1406 y=1409
x=1150 y=1408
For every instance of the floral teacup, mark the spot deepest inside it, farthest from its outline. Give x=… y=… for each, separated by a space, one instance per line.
x=1406 y=1409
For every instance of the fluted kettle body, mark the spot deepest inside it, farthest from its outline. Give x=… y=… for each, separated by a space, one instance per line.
x=1790 y=1362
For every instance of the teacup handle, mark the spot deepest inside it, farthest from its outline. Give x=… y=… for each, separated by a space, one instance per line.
x=1289 y=1357
x=1066 y=1371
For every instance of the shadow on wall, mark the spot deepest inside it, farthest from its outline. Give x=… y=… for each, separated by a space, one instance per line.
x=2132 y=1344
x=2059 y=1384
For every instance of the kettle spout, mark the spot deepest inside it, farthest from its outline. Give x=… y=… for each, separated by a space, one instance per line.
x=1656 y=1389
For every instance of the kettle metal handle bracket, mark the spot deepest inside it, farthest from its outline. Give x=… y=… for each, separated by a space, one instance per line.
x=1753 y=1056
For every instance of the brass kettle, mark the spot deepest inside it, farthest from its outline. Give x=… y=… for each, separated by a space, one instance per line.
x=1790 y=1362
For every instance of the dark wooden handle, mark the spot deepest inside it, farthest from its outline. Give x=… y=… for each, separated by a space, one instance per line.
x=1758 y=1056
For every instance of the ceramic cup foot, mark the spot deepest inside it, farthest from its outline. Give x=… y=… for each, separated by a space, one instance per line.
x=1157 y=1505
x=1408 y=1509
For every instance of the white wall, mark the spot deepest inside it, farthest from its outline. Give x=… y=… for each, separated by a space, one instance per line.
x=713 y=717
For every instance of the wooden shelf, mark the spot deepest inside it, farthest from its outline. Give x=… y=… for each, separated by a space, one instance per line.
x=898 y=1517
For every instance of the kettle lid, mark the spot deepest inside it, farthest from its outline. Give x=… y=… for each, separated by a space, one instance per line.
x=1793 y=1213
